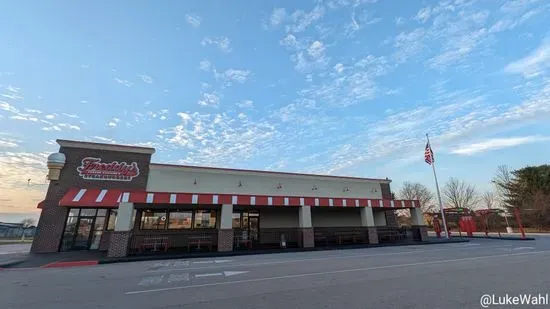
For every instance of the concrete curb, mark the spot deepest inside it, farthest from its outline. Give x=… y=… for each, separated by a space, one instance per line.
x=61 y=264
x=259 y=252
x=11 y=263
x=501 y=238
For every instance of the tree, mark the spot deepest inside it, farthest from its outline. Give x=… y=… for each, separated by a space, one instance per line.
x=419 y=192
x=459 y=194
x=26 y=223
x=488 y=198
x=502 y=180
x=528 y=189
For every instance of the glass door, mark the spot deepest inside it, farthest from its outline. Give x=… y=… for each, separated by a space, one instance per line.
x=254 y=227
x=83 y=231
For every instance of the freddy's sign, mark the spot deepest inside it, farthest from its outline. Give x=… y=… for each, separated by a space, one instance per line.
x=94 y=169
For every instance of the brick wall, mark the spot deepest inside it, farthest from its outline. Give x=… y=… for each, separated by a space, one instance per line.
x=105 y=241
x=225 y=240
x=52 y=219
x=385 y=190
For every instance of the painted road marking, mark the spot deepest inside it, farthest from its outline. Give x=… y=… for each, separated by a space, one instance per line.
x=178 y=277
x=212 y=262
x=335 y=272
x=335 y=257
x=524 y=248
x=151 y=280
x=223 y=273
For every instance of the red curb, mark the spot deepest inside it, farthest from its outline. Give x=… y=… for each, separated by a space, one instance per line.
x=70 y=264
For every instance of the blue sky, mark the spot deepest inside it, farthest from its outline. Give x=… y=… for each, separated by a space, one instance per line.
x=345 y=87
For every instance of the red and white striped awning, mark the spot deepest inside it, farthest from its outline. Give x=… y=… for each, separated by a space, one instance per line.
x=111 y=198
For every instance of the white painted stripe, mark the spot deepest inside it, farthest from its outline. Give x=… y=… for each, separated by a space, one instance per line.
x=252 y=200
x=316 y=202
x=414 y=204
x=118 y=199
x=79 y=195
x=150 y=197
x=339 y=271
x=195 y=199
x=286 y=201
x=214 y=199
x=381 y=203
x=330 y=202
x=125 y=197
x=302 y=201
x=270 y=201
x=392 y=203
x=173 y=198
x=344 y=203
x=234 y=200
x=403 y=204
x=356 y=203
x=101 y=195
x=369 y=202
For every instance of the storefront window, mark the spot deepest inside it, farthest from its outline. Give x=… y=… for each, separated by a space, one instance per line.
x=112 y=219
x=205 y=219
x=83 y=229
x=88 y=212
x=236 y=220
x=180 y=220
x=153 y=220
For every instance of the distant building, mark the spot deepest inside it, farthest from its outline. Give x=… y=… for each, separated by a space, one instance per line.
x=15 y=230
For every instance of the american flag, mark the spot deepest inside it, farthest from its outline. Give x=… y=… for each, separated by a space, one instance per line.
x=428 y=154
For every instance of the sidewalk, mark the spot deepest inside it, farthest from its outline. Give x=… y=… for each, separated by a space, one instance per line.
x=86 y=258
x=13 y=254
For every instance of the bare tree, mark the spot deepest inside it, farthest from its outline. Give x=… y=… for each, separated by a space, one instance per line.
x=26 y=223
x=502 y=179
x=419 y=192
x=488 y=198
x=460 y=194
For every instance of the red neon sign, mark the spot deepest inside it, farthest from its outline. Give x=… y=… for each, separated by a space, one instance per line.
x=94 y=169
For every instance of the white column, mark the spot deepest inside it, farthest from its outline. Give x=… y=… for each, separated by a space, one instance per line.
x=305 y=216
x=125 y=217
x=417 y=216
x=226 y=218
x=380 y=218
x=367 y=217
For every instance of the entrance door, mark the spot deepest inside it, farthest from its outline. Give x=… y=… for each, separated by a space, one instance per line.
x=83 y=232
x=254 y=226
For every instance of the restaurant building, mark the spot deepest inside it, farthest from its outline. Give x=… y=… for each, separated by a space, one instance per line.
x=112 y=198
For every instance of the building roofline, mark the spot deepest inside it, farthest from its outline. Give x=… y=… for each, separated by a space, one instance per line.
x=271 y=172
x=103 y=146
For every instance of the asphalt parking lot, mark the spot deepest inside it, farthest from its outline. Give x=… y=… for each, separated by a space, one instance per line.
x=429 y=276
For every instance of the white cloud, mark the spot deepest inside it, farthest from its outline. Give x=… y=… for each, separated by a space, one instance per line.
x=246 y=104
x=223 y=43
x=310 y=58
x=146 y=78
x=424 y=14
x=49 y=117
x=70 y=115
x=533 y=64
x=112 y=124
x=209 y=99
x=25 y=117
x=278 y=16
x=69 y=126
x=52 y=128
x=8 y=107
x=85 y=66
x=339 y=68
x=193 y=20
x=124 y=82
x=104 y=139
x=205 y=65
x=235 y=75
x=33 y=111
x=219 y=139
x=399 y=21
x=12 y=89
x=498 y=143
x=83 y=101
x=302 y=20
x=8 y=143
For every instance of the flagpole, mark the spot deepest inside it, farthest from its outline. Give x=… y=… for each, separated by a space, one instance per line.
x=438 y=194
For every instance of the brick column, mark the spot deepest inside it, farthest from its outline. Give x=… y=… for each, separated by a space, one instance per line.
x=225 y=231
x=418 y=222
x=119 y=244
x=120 y=237
x=49 y=231
x=304 y=217
x=367 y=221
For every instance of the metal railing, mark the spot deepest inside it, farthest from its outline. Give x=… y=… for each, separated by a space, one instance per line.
x=143 y=242
x=327 y=236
